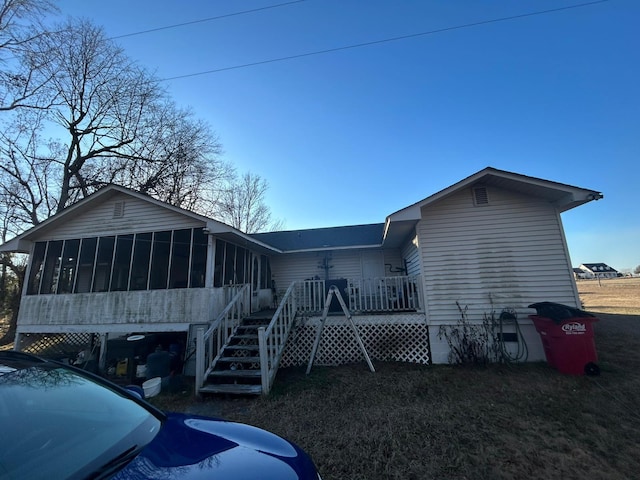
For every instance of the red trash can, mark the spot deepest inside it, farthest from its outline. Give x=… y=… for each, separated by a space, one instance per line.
x=568 y=344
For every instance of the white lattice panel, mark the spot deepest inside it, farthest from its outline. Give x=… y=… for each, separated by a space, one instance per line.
x=403 y=338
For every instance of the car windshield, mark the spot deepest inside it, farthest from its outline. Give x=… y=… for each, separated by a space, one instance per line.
x=56 y=423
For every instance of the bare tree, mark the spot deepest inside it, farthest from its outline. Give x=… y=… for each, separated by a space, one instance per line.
x=109 y=121
x=26 y=178
x=23 y=82
x=121 y=127
x=243 y=206
x=178 y=161
x=102 y=100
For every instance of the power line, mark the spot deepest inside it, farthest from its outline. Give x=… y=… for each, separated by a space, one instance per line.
x=386 y=40
x=209 y=19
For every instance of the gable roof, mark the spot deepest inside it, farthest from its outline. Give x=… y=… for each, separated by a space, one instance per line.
x=392 y=233
x=598 y=267
x=22 y=243
x=563 y=196
x=332 y=238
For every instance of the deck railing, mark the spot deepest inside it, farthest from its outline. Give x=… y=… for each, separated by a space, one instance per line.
x=384 y=294
x=209 y=343
x=310 y=295
x=380 y=294
x=273 y=338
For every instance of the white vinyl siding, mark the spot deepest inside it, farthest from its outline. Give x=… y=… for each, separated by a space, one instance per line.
x=291 y=267
x=393 y=263
x=509 y=253
x=288 y=268
x=412 y=257
x=137 y=216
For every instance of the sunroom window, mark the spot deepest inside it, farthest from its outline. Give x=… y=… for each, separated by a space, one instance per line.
x=142 y=261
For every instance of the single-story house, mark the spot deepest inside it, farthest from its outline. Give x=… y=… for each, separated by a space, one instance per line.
x=133 y=273
x=598 y=270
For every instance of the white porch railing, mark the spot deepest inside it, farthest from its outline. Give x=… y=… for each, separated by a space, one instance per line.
x=209 y=344
x=381 y=294
x=385 y=294
x=273 y=338
x=310 y=295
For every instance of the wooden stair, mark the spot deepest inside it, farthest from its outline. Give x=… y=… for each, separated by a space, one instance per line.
x=237 y=370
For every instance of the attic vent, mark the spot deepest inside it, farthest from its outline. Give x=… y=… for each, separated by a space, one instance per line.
x=118 y=210
x=480 y=196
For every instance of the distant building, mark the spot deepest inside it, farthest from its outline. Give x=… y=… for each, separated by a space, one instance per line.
x=580 y=274
x=598 y=270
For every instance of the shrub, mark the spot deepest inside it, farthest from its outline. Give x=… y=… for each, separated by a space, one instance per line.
x=472 y=343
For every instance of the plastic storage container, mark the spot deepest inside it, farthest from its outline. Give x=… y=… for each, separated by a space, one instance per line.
x=152 y=387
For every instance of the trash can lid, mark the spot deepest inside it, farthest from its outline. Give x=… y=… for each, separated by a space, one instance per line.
x=558 y=312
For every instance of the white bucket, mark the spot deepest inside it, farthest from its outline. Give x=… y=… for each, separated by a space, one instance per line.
x=152 y=387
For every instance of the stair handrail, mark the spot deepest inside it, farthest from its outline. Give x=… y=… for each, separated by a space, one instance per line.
x=273 y=338
x=228 y=319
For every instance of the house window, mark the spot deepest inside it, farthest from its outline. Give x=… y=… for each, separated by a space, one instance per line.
x=232 y=264
x=160 y=260
x=198 y=259
x=167 y=259
x=122 y=263
x=140 y=262
x=86 y=262
x=241 y=264
x=229 y=264
x=219 y=263
x=37 y=264
x=104 y=262
x=69 y=266
x=51 y=267
x=180 y=259
x=255 y=278
x=265 y=272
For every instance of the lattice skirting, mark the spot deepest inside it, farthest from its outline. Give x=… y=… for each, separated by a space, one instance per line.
x=58 y=345
x=403 y=338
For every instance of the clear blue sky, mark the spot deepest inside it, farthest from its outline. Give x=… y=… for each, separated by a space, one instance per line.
x=351 y=136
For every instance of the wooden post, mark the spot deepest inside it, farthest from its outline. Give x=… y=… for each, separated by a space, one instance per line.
x=16 y=342
x=200 y=354
x=264 y=361
x=102 y=356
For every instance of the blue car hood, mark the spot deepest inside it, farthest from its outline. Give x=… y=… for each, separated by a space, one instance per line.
x=192 y=447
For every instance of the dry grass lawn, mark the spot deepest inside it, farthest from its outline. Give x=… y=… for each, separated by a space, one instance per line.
x=445 y=422
x=620 y=296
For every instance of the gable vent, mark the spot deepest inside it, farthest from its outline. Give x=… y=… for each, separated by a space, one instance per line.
x=118 y=210
x=480 y=196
